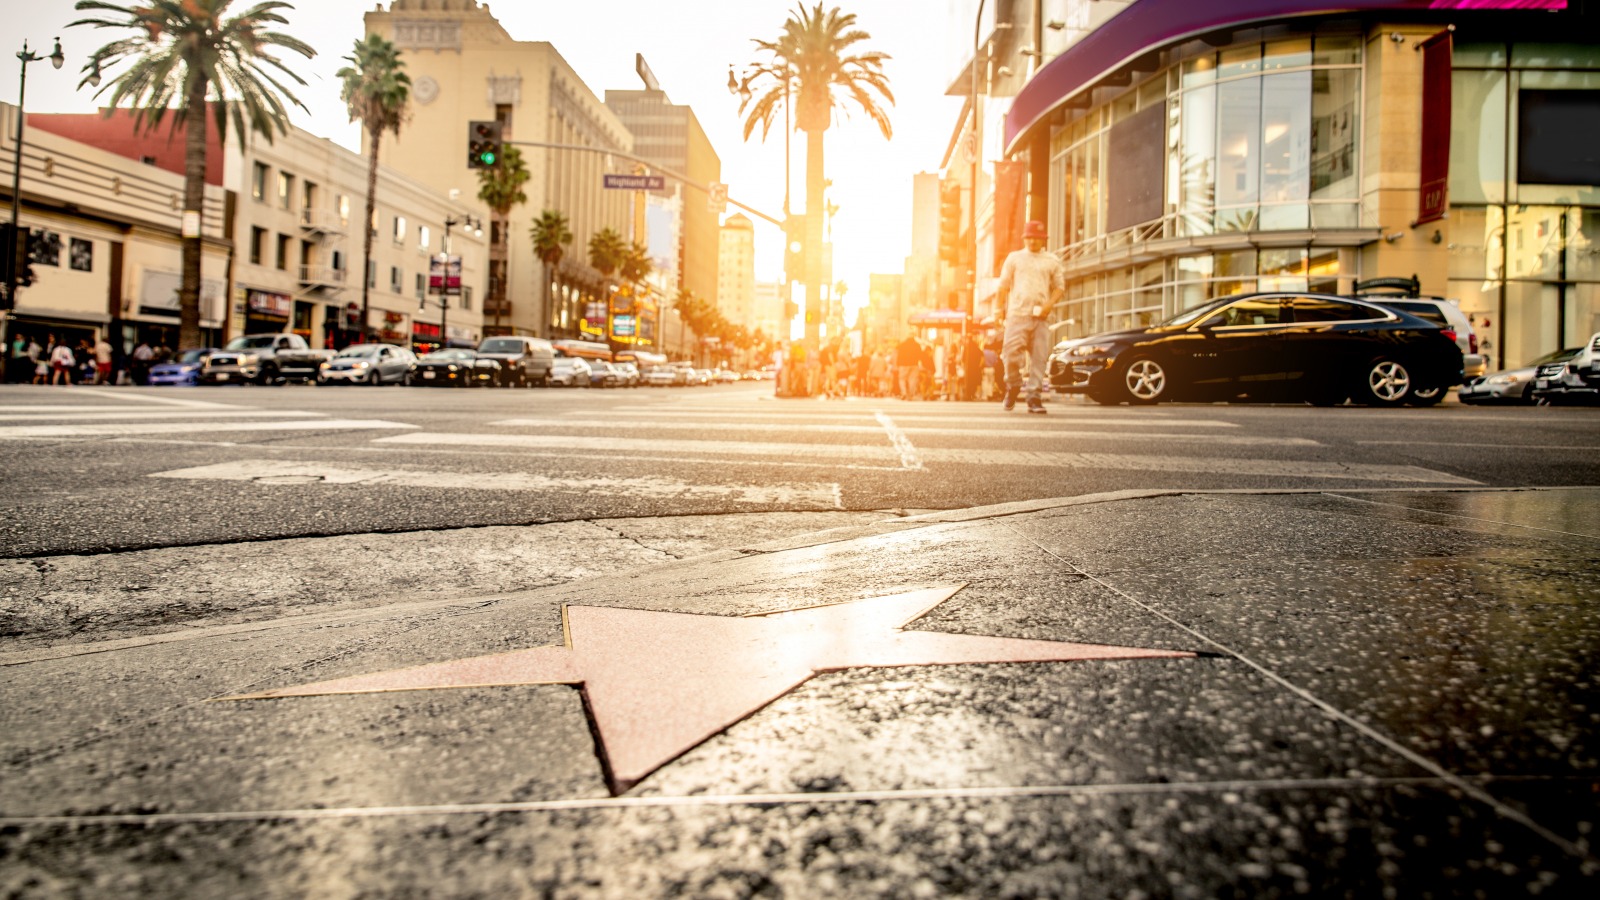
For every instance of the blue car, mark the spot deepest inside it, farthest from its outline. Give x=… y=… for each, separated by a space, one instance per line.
x=183 y=370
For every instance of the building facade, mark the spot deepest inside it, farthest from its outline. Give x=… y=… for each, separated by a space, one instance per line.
x=736 y=271
x=1181 y=152
x=106 y=240
x=465 y=67
x=291 y=259
x=670 y=136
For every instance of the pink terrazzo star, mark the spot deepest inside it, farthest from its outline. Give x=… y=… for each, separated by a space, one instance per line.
x=660 y=683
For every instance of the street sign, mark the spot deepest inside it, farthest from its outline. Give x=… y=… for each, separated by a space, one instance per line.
x=444 y=277
x=718 y=198
x=636 y=182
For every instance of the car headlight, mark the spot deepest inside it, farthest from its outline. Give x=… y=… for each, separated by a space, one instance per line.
x=358 y=364
x=326 y=365
x=1089 y=350
x=1504 y=379
x=451 y=367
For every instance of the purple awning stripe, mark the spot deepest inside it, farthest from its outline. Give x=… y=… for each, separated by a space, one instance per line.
x=1151 y=24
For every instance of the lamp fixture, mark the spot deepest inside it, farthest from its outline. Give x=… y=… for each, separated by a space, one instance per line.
x=56 y=56
x=1397 y=37
x=1393 y=236
x=1055 y=25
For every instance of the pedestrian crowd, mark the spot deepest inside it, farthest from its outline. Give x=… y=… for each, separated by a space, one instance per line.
x=956 y=367
x=65 y=362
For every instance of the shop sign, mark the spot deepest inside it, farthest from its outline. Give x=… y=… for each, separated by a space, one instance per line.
x=622 y=326
x=270 y=304
x=425 y=330
x=158 y=296
x=444 y=276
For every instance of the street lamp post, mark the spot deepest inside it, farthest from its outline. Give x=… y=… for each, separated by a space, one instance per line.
x=56 y=58
x=476 y=225
x=977 y=153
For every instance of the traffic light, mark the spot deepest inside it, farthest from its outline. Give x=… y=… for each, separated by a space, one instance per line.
x=483 y=144
x=950 y=222
x=15 y=255
x=794 y=255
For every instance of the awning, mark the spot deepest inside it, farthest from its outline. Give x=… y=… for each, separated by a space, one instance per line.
x=1149 y=25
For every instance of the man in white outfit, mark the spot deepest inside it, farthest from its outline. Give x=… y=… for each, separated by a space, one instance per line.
x=1031 y=281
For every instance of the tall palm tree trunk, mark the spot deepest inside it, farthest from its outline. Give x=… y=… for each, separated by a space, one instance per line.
x=366 y=234
x=194 y=199
x=814 y=274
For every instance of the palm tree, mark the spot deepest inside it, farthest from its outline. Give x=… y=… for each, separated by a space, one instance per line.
x=375 y=91
x=550 y=239
x=814 y=57
x=183 y=54
x=500 y=189
x=607 y=250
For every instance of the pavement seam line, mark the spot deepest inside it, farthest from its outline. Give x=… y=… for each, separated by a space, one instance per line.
x=1467 y=518
x=1452 y=779
x=909 y=458
x=728 y=800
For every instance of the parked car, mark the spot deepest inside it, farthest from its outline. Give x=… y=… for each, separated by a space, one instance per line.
x=367 y=364
x=184 y=370
x=1448 y=316
x=524 y=361
x=1315 y=347
x=727 y=376
x=704 y=376
x=264 y=359
x=456 y=368
x=662 y=376
x=570 y=371
x=1511 y=385
x=602 y=374
x=627 y=373
x=1576 y=380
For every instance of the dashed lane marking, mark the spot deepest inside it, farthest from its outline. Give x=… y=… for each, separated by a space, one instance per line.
x=804 y=495
x=30 y=432
x=908 y=451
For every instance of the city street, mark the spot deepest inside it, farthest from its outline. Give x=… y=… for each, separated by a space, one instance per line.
x=321 y=642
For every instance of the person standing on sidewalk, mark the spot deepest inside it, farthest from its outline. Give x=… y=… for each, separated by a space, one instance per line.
x=1031 y=281
x=103 y=356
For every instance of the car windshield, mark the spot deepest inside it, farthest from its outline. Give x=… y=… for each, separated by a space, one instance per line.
x=1199 y=312
x=193 y=356
x=252 y=342
x=449 y=356
x=357 y=352
x=1425 y=311
x=1557 y=356
x=500 y=347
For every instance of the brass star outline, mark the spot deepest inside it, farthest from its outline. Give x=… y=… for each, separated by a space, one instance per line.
x=658 y=684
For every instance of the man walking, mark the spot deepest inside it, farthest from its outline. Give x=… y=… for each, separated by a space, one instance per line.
x=1031 y=281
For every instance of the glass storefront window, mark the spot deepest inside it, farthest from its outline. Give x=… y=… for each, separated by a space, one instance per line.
x=1582 y=313
x=1336 y=50
x=1335 y=122
x=1283 y=269
x=1200 y=71
x=1490 y=56
x=1534 y=241
x=1533 y=318
x=1554 y=56
x=1285 y=149
x=1468 y=238
x=1198 y=163
x=1583 y=245
x=1287 y=55
x=1239 y=61
x=1238 y=142
x=1334 y=215
x=1478 y=137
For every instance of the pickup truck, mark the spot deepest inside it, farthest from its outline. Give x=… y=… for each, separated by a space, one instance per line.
x=264 y=359
x=1574 y=380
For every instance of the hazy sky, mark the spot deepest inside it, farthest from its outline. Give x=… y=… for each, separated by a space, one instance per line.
x=689 y=44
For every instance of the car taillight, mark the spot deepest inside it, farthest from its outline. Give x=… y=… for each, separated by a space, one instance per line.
x=1449 y=333
x=1472 y=343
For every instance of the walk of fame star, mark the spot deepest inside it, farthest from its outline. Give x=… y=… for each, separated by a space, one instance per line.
x=660 y=683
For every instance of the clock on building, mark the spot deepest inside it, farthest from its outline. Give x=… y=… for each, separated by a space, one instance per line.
x=425 y=89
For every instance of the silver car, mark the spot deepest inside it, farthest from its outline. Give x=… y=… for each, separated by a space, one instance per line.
x=367 y=364
x=569 y=371
x=1512 y=385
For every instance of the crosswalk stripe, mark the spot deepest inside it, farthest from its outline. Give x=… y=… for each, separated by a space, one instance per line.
x=807 y=495
x=161 y=414
x=162 y=400
x=985 y=420
x=1056 y=434
x=26 y=432
x=884 y=455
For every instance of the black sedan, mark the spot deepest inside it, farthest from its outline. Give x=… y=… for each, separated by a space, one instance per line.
x=454 y=368
x=1316 y=347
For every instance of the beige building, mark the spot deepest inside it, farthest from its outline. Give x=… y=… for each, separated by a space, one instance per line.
x=465 y=67
x=769 y=318
x=107 y=255
x=736 y=271
x=301 y=199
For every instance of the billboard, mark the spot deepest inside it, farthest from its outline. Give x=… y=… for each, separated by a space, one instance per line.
x=444 y=276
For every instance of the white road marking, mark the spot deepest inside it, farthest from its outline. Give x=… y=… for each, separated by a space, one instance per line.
x=30 y=432
x=908 y=451
x=981 y=419
x=807 y=495
x=147 y=398
x=161 y=414
x=826 y=454
x=1032 y=434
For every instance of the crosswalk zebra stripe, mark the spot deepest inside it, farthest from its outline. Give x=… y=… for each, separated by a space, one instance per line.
x=162 y=414
x=119 y=429
x=1055 y=434
x=802 y=495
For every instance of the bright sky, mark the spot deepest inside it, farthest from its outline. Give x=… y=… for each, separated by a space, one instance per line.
x=689 y=44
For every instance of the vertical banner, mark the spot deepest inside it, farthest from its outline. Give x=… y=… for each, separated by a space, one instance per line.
x=1010 y=207
x=1432 y=199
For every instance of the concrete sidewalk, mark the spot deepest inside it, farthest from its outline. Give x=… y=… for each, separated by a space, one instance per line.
x=1379 y=693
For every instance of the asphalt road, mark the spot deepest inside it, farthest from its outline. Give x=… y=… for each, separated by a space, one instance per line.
x=90 y=470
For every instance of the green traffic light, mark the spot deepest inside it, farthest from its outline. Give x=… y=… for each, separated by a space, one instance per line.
x=486 y=158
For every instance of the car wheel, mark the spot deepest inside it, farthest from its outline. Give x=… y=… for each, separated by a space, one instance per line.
x=1144 y=381
x=1386 y=382
x=269 y=375
x=374 y=379
x=1426 y=396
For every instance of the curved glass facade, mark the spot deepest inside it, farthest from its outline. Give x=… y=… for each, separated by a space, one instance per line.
x=1256 y=143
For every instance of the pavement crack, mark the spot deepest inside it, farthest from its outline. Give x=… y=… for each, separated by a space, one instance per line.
x=598 y=523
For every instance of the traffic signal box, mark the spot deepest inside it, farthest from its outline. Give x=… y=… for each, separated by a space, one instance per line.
x=794 y=251
x=483 y=144
x=14 y=255
x=950 y=222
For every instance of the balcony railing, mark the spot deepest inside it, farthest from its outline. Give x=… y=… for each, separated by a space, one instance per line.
x=491 y=309
x=313 y=277
x=322 y=221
